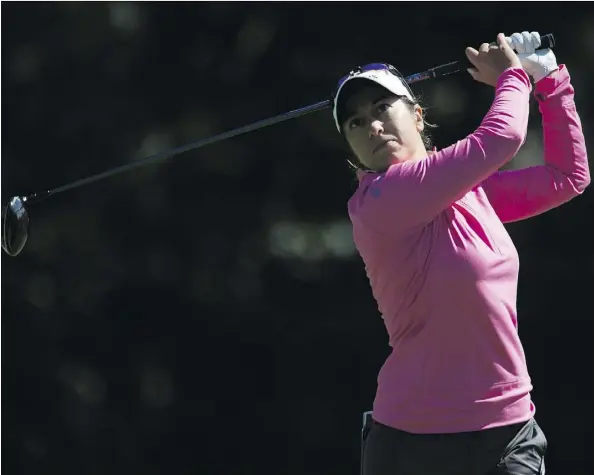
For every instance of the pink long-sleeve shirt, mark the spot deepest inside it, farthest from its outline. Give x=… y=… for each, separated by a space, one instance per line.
x=444 y=270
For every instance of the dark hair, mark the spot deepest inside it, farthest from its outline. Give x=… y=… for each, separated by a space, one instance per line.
x=425 y=135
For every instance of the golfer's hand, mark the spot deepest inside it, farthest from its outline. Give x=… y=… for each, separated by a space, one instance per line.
x=537 y=63
x=490 y=61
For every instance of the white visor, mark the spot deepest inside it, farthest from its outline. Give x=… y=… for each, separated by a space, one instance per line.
x=384 y=78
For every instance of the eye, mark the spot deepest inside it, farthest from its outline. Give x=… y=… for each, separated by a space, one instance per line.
x=383 y=107
x=355 y=122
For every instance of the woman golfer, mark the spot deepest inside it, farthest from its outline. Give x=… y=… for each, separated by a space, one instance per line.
x=453 y=397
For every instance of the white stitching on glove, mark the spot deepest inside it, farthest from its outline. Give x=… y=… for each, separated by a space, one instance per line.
x=537 y=63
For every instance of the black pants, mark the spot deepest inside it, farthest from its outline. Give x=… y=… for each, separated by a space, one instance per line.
x=511 y=450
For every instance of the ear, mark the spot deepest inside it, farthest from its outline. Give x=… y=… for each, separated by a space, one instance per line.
x=420 y=123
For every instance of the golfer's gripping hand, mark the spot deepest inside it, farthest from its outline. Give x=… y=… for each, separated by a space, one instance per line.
x=537 y=63
x=490 y=61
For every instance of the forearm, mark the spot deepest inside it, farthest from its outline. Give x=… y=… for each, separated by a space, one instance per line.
x=521 y=194
x=564 y=144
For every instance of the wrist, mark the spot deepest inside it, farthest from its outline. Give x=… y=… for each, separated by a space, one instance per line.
x=514 y=72
x=552 y=73
x=555 y=84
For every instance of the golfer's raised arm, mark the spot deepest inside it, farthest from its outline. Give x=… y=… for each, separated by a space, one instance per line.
x=412 y=193
x=520 y=194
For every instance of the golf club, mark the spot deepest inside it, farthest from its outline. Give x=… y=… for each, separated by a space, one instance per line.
x=15 y=217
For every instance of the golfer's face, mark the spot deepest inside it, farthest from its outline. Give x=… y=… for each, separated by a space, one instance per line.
x=380 y=127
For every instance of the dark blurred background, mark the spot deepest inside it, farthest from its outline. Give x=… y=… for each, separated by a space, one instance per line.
x=210 y=314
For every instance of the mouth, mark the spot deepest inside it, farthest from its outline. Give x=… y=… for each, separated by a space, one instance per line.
x=381 y=145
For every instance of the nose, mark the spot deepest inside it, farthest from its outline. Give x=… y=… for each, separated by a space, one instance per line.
x=376 y=128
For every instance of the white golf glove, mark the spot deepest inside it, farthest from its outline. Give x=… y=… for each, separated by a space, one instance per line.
x=537 y=63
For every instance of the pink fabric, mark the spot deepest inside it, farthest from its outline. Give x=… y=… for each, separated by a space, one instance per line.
x=444 y=270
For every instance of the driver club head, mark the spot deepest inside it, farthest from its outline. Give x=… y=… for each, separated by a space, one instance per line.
x=15 y=226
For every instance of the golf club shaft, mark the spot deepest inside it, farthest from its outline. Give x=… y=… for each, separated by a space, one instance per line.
x=547 y=41
x=34 y=197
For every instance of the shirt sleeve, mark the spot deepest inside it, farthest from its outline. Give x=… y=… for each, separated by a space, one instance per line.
x=520 y=194
x=412 y=193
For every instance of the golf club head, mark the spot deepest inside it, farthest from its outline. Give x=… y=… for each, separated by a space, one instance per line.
x=15 y=226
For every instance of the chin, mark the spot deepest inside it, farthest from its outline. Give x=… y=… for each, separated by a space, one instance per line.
x=397 y=158
x=381 y=165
